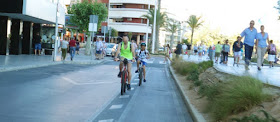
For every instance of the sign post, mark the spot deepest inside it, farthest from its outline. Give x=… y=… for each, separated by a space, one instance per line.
x=93 y=21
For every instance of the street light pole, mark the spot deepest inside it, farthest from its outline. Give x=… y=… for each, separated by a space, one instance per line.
x=56 y=32
x=154 y=30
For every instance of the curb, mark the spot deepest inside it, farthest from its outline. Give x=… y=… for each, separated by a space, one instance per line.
x=28 y=67
x=196 y=116
x=50 y=64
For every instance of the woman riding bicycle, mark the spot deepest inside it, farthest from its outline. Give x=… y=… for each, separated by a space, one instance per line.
x=143 y=56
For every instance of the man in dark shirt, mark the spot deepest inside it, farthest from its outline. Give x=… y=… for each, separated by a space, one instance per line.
x=37 y=41
x=178 y=50
x=237 y=45
x=189 y=48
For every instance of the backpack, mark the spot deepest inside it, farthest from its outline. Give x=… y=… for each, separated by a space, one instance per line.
x=141 y=51
x=272 y=49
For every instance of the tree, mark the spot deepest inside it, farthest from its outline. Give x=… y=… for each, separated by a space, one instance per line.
x=82 y=11
x=194 y=23
x=115 y=33
x=172 y=26
x=278 y=7
x=160 y=22
x=129 y=35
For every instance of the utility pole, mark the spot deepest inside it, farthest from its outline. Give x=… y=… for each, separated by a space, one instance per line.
x=56 y=32
x=154 y=30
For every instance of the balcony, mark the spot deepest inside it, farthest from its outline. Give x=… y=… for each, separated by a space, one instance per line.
x=147 y=2
x=127 y=12
x=130 y=27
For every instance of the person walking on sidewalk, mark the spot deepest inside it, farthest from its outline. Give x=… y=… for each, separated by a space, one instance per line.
x=226 y=50
x=261 y=44
x=72 y=45
x=37 y=40
x=218 y=49
x=178 y=50
x=237 y=46
x=195 y=49
x=250 y=36
x=184 y=46
x=104 y=46
x=98 y=47
x=77 y=46
x=64 y=47
x=189 y=50
x=167 y=53
x=200 y=51
x=272 y=51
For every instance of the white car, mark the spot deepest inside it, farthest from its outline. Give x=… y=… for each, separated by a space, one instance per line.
x=111 y=49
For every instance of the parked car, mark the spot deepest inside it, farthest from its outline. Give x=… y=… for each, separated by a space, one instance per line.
x=111 y=49
x=161 y=49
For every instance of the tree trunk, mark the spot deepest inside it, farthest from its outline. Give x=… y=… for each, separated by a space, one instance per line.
x=192 y=37
x=157 y=29
x=172 y=41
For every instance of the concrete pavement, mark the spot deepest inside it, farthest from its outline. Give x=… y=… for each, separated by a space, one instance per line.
x=77 y=93
x=18 y=62
x=266 y=75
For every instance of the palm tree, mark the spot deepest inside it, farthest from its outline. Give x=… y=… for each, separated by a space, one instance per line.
x=160 y=21
x=172 y=26
x=194 y=23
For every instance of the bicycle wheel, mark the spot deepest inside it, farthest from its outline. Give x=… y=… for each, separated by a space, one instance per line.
x=123 y=84
x=140 y=76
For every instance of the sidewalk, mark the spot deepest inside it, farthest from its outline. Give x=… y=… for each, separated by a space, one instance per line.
x=18 y=62
x=266 y=75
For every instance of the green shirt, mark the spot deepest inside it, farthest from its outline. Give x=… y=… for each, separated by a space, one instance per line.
x=218 y=48
x=126 y=53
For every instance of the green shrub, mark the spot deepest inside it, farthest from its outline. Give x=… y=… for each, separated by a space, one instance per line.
x=183 y=67
x=193 y=75
x=209 y=91
x=205 y=65
x=237 y=95
x=197 y=83
x=254 y=118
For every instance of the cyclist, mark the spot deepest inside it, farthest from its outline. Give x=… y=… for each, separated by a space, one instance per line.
x=127 y=51
x=143 y=55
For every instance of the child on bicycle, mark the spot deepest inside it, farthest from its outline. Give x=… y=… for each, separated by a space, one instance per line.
x=143 y=55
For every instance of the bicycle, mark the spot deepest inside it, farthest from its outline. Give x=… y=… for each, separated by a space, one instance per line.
x=141 y=74
x=124 y=76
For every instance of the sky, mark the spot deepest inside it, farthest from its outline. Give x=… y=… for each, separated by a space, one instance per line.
x=230 y=16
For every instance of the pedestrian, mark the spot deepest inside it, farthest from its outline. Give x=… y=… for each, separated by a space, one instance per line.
x=104 y=46
x=72 y=45
x=77 y=46
x=272 y=51
x=189 y=50
x=218 y=49
x=184 y=46
x=249 y=41
x=98 y=47
x=226 y=50
x=64 y=47
x=211 y=51
x=167 y=53
x=200 y=51
x=37 y=40
x=178 y=50
x=261 y=46
x=195 y=49
x=204 y=49
x=237 y=46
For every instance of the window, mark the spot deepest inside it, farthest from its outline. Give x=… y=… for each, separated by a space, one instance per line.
x=129 y=19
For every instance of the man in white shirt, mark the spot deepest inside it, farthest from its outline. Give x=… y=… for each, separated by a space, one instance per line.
x=64 y=46
x=99 y=48
x=184 y=47
x=204 y=49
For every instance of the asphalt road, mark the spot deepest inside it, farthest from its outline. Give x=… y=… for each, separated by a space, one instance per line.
x=78 y=93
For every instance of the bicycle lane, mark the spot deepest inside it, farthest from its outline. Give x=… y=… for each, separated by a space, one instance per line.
x=157 y=100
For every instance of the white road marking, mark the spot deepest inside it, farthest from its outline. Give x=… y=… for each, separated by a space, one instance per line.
x=134 y=83
x=116 y=106
x=136 y=79
x=162 y=62
x=132 y=89
x=69 y=80
x=124 y=96
x=107 y=120
x=87 y=83
x=150 y=61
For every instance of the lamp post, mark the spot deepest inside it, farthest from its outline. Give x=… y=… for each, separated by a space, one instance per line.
x=154 y=29
x=56 y=32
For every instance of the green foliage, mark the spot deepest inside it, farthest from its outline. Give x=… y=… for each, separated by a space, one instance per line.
x=82 y=11
x=186 y=41
x=194 y=23
x=172 y=27
x=198 y=82
x=254 y=118
x=237 y=95
x=209 y=91
x=205 y=65
x=129 y=35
